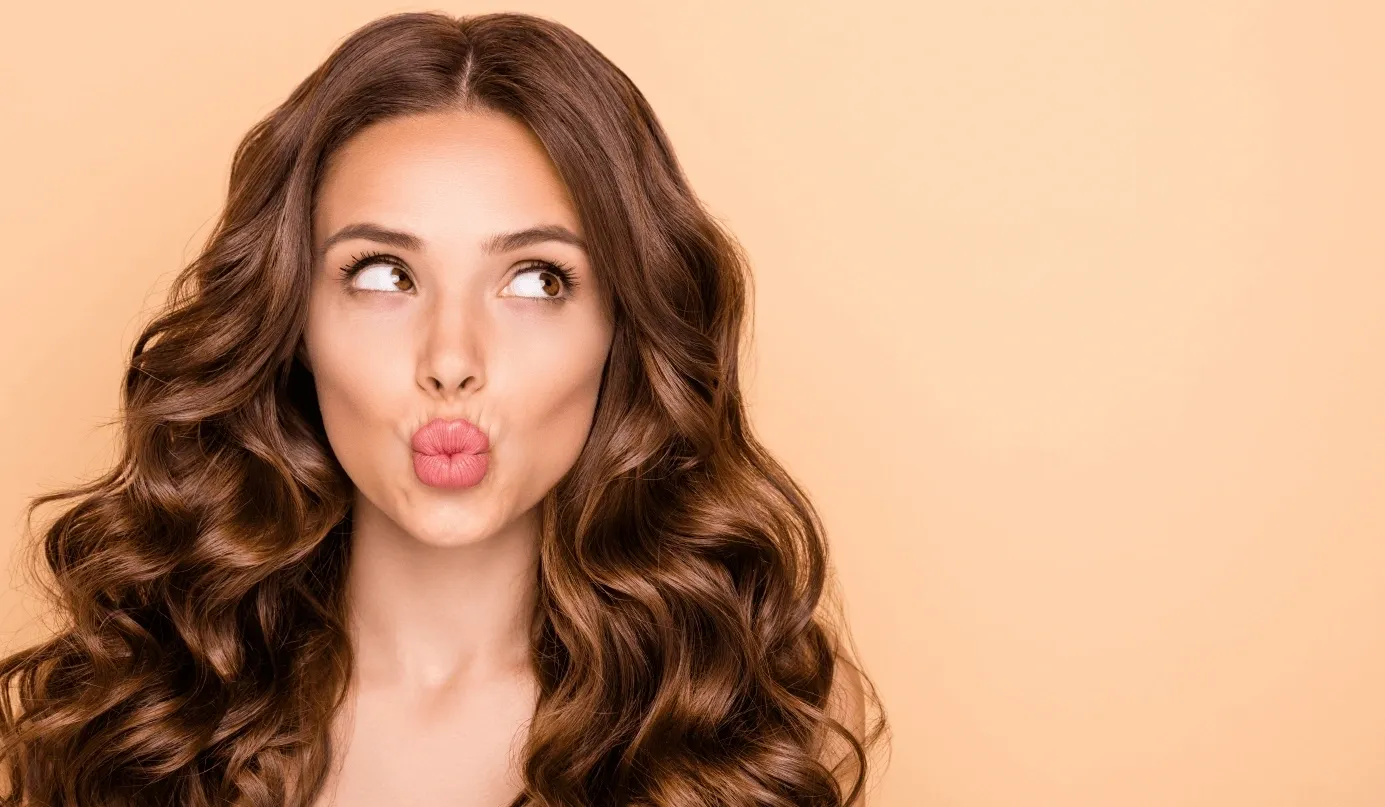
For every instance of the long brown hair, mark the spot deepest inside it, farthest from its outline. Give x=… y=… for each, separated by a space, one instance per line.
x=680 y=645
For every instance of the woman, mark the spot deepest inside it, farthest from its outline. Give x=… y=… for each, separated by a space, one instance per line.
x=437 y=486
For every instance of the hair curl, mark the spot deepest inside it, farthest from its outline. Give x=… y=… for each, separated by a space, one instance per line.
x=680 y=650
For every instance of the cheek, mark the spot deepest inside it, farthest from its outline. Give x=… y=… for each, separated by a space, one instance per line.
x=356 y=370
x=550 y=400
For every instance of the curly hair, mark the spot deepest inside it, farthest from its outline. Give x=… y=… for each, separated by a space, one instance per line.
x=681 y=646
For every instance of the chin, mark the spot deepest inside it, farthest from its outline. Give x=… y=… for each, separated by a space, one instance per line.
x=447 y=540
x=446 y=526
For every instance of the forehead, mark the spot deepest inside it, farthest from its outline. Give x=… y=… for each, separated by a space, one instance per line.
x=449 y=174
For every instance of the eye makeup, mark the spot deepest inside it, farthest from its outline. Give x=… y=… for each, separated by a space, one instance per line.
x=362 y=261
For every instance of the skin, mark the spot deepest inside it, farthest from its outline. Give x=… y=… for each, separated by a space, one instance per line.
x=442 y=580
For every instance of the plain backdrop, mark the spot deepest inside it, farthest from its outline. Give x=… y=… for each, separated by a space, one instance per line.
x=1070 y=316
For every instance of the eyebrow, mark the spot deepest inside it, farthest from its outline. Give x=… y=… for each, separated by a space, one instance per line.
x=494 y=245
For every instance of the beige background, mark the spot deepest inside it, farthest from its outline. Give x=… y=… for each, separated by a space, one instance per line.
x=1070 y=314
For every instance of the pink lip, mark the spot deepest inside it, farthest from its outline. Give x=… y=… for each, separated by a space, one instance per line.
x=450 y=453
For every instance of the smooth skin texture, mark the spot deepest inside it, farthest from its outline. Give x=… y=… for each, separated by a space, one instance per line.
x=442 y=581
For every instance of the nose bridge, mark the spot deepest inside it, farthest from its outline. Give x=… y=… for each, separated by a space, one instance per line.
x=453 y=344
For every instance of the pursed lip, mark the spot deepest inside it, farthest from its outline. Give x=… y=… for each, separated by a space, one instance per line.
x=444 y=436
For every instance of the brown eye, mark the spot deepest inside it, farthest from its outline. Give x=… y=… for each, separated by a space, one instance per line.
x=382 y=277
x=545 y=281
x=551 y=284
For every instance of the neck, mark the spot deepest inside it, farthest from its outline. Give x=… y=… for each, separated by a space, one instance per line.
x=428 y=617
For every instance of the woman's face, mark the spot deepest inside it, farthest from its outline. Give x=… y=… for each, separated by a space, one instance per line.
x=462 y=313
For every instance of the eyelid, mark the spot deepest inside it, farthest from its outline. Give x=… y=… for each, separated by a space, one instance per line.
x=370 y=257
x=565 y=273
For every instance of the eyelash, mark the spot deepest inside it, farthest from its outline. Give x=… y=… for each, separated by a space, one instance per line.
x=564 y=272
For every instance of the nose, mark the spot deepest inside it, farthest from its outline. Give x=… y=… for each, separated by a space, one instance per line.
x=451 y=361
